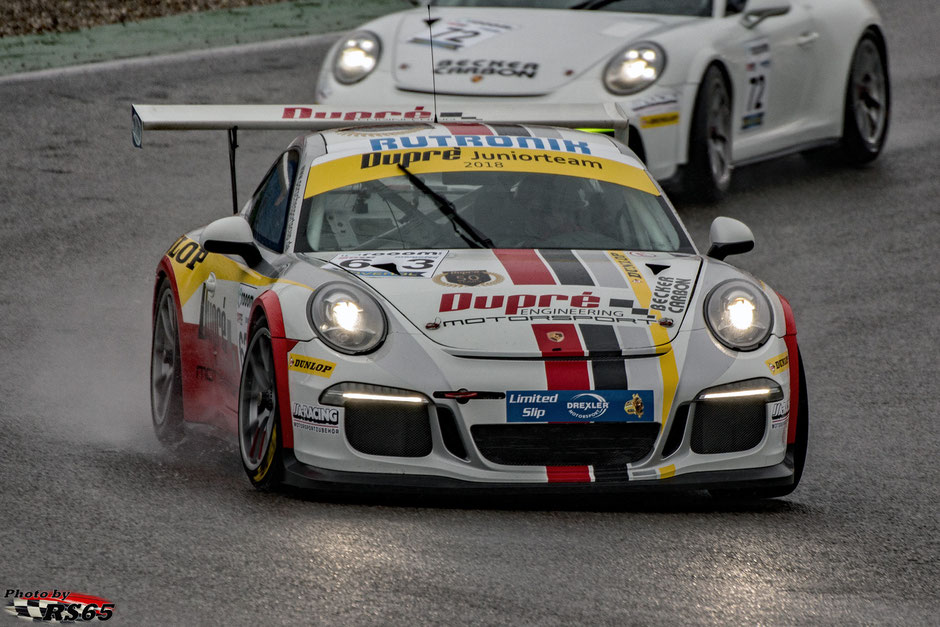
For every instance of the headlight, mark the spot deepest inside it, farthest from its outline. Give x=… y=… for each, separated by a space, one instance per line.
x=739 y=315
x=356 y=57
x=634 y=69
x=347 y=318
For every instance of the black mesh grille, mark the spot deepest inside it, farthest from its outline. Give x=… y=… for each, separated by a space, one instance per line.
x=727 y=426
x=397 y=429
x=565 y=444
x=450 y=433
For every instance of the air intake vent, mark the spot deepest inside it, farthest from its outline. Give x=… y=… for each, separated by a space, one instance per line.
x=677 y=431
x=395 y=429
x=727 y=426
x=450 y=433
x=597 y=444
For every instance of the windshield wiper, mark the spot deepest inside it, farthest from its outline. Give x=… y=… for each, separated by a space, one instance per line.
x=592 y=5
x=475 y=239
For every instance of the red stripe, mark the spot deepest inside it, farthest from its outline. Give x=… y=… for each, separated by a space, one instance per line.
x=793 y=353
x=567 y=343
x=73 y=597
x=568 y=474
x=564 y=375
x=280 y=347
x=469 y=129
x=524 y=266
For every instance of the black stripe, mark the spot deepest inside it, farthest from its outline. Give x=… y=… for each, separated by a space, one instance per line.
x=513 y=130
x=567 y=267
x=611 y=473
x=608 y=375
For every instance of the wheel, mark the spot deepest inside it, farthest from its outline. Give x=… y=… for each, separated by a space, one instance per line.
x=166 y=382
x=795 y=451
x=707 y=175
x=867 y=104
x=259 y=438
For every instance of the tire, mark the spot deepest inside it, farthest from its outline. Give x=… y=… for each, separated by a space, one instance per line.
x=166 y=381
x=707 y=175
x=259 y=438
x=796 y=451
x=867 y=103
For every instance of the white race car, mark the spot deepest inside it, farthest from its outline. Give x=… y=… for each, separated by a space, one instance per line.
x=473 y=304
x=708 y=84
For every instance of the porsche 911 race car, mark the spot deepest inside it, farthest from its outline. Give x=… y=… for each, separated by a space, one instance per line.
x=708 y=84
x=478 y=303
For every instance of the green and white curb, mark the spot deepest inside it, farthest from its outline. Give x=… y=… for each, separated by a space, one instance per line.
x=188 y=32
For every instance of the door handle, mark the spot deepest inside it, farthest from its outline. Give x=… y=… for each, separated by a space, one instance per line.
x=807 y=38
x=211 y=283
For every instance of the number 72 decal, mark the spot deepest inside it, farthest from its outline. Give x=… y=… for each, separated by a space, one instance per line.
x=457 y=34
x=757 y=70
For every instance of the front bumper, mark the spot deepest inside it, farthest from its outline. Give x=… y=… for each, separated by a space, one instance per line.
x=300 y=475
x=333 y=447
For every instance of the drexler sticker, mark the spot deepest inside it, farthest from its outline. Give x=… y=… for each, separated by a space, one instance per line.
x=579 y=406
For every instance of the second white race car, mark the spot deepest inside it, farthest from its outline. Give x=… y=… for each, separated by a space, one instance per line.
x=707 y=84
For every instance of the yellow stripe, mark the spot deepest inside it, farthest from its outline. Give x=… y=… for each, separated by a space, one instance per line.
x=189 y=279
x=660 y=119
x=667 y=361
x=356 y=169
x=667 y=471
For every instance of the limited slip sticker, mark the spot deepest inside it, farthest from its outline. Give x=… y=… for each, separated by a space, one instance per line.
x=391 y=263
x=579 y=406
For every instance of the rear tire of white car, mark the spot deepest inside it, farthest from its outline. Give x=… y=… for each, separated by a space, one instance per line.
x=867 y=103
x=798 y=451
x=166 y=381
x=707 y=175
x=259 y=436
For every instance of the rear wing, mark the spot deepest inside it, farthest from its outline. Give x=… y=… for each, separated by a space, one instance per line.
x=231 y=118
x=321 y=117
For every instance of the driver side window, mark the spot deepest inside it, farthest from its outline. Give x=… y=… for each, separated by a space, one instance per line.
x=271 y=201
x=733 y=7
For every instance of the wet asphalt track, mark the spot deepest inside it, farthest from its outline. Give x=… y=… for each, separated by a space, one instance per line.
x=90 y=502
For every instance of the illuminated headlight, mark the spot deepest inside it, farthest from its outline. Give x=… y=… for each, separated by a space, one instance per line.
x=343 y=393
x=347 y=318
x=357 y=56
x=634 y=69
x=739 y=315
x=763 y=389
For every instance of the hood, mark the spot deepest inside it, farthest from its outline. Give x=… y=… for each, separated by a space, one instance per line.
x=547 y=302
x=507 y=52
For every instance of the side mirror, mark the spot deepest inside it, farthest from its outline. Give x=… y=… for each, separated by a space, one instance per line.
x=729 y=237
x=231 y=236
x=756 y=11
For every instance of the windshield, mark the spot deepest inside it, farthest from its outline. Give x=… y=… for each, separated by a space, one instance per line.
x=501 y=198
x=701 y=8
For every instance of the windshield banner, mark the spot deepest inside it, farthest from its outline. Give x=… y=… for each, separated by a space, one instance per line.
x=383 y=164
